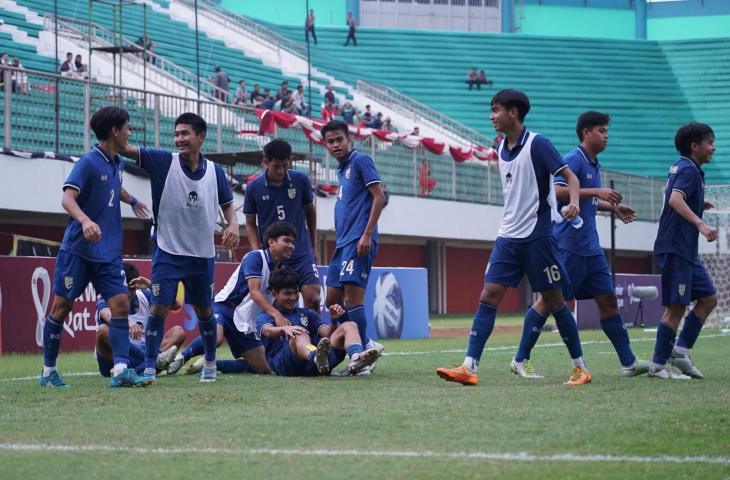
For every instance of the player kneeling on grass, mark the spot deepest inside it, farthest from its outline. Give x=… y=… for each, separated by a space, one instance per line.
x=245 y=295
x=139 y=309
x=291 y=349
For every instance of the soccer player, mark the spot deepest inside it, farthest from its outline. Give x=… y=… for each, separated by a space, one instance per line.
x=684 y=277
x=525 y=243
x=245 y=295
x=285 y=194
x=139 y=310
x=91 y=249
x=291 y=348
x=360 y=200
x=581 y=251
x=187 y=190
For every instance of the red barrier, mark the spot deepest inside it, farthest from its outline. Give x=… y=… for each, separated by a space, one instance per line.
x=26 y=295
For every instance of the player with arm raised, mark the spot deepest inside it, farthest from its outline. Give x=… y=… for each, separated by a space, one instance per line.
x=91 y=250
x=676 y=249
x=581 y=252
x=187 y=190
x=525 y=242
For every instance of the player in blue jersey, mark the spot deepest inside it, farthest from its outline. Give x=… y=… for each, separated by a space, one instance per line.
x=360 y=201
x=283 y=194
x=91 y=250
x=187 y=191
x=291 y=349
x=244 y=296
x=139 y=309
x=525 y=243
x=676 y=249
x=581 y=251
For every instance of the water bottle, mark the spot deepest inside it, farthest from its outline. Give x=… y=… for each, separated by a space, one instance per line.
x=575 y=222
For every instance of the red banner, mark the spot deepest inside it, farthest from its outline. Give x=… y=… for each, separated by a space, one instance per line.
x=26 y=296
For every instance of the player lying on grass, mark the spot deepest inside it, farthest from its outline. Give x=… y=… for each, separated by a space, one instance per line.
x=245 y=295
x=139 y=309
x=291 y=350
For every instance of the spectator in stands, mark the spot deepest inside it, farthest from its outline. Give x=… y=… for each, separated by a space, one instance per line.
x=473 y=79
x=298 y=102
x=329 y=95
x=348 y=113
x=416 y=132
x=241 y=97
x=145 y=42
x=79 y=64
x=283 y=90
x=4 y=59
x=482 y=79
x=309 y=27
x=388 y=125
x=376 y=122
x=351 y=27
x=367 y=115
x=287 y=103
x=3 y=62
x=222 y=81
x=68 y=67
x=255 y=92
x=425 y=182
x=328 y=112
x=19 y=80
x=268 y=102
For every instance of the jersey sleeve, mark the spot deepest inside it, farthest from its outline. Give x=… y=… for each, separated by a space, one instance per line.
x=576 y=166
x=263 y=319
x=546 y=155
x=147 y=294
x=686 y=181
x=249 y=200
x=316 y=322
x=369 y=173
x=225 y=194
x=79 y=177
x=156 y=163
x=253 y=265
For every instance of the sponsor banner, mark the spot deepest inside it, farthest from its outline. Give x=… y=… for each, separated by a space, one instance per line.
x=632 y=290
x=396 y=304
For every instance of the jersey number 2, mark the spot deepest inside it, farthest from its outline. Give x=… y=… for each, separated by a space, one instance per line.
x=111 y=198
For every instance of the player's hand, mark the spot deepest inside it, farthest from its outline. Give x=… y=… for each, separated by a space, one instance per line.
x=140 y=282
x=230 y=236
x=707 y=231
x=140 y=210
x=135 y=331
x=91 y=230
x=280 y=321
x=625 y=213
x=708 y=205
x=364 y=245
x=293 y=330
x=570 y=211
x=336 y=311
x=609 y=195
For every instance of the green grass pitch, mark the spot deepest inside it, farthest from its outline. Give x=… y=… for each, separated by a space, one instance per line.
x=402 y=422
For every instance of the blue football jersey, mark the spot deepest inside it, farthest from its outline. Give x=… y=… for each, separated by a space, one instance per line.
x=98 y=180
x=354 y=201
x=303 y=317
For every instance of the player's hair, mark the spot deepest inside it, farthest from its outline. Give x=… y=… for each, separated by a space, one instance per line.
x=692 y=132
x=334 y=126
x=283 y=278
x=106 y=118
x=510 y=98
x=130 y=271
x=279 y=229
x=277 y=149
x=589 y=120
x=194 y=120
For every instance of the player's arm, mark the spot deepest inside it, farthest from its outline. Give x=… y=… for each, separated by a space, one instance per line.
x=608 y=195
x=376 y=191
x=131 y=151
x=231 y=233
x=139 y=208
x=252 y=232
x=571 y=210
x=254 y=287
x=310 y=213
x=287 y=331
x=326 y=329
x=678 y=203
x=624 y=213
x=91 y=230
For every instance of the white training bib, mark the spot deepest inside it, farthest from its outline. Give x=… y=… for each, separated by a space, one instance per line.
x=188 y=212
x=140 y=316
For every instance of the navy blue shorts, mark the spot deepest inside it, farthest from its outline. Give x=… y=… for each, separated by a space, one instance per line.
x=286 y=364
x=539 y=259
x=683 y=281
x=238 y=341
x=589 y=276
x=73 y=273
x=348 y=267
x=306 y=269
x=196 y=275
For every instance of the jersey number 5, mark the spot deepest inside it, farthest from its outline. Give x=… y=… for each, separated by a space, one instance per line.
x=280 y=213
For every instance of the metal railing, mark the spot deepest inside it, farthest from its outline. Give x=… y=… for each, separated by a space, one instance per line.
x=29 y=123
x=164 y=72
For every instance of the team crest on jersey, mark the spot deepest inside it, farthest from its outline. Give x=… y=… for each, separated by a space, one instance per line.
x=193 y=199
x=508 y=178
x=304 y=320
x=68 y=282
x=682 y=288
x=292 y=193
x=673 y=169
x=347 y=173
x=155 y=287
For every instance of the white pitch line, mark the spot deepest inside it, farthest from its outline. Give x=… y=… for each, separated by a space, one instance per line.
x=35 y=377
x=495 y=456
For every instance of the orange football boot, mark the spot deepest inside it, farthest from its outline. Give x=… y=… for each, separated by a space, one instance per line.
x=579 y=376
x=460 y=374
